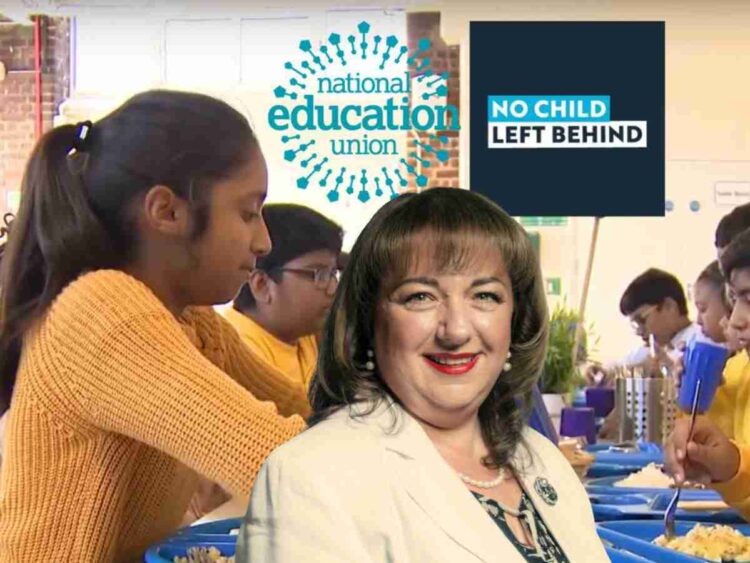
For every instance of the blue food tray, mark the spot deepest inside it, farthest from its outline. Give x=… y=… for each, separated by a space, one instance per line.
x=636 y=537
x=652 y=507
x=644 y=447
x=611 y=470
x=648 y=452
x=621 y=556
x=606 y=486
x=219 y=527
x=167 y=551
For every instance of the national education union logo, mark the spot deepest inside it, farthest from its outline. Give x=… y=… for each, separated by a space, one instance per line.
x=347 y=112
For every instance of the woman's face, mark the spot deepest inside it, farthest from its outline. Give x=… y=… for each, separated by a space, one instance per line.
x=442 y=338
x=710 y=311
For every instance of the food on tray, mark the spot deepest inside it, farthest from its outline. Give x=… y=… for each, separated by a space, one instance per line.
x=715 y=543
x=204 y=555
x=652 y=477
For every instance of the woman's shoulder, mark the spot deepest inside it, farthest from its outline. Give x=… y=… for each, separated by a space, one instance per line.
x=341 y=441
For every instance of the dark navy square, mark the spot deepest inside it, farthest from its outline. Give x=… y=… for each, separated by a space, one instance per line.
x=623 y=60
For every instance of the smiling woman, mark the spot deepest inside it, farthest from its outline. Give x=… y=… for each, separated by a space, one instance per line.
x=420 y=448
x=435 y=324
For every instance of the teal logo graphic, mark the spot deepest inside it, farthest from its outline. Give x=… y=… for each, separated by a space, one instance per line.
x=361 y=114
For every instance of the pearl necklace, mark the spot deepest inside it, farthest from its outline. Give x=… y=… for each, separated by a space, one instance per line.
x=501 y=475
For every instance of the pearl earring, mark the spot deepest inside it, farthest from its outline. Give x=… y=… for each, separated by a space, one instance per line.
x=507 y=365
x=370 y=364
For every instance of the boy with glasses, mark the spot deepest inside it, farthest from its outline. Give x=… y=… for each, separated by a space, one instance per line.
x=655 y=304
x=280 y=311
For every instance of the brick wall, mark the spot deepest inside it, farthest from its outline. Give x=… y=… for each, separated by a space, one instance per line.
x=443 y=58
x=18 y=91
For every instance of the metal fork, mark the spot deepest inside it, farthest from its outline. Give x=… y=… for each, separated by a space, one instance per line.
x=669 y=515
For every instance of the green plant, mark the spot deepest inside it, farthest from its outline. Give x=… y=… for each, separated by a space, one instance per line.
x=559 y=375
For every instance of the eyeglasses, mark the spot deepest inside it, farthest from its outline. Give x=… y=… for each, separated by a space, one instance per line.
x=638 y=320
x=321 y=277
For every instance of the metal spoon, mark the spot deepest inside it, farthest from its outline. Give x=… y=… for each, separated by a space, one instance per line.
x=669 y=515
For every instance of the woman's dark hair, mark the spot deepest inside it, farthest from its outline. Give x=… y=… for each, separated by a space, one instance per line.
x=294 y=230
x=457 y=226
x=79 y=193
x=652 y=287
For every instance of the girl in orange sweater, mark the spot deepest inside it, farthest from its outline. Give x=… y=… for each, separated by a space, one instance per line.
x=121 y=382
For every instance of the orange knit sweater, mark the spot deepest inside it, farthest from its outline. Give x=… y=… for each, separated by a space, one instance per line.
x=117 y=409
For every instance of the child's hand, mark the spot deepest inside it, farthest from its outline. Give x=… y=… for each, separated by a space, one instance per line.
x=709 y=457
x=655 y=366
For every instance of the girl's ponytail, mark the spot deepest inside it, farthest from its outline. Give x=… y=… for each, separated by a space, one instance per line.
x=55 y=236
x=78 y=193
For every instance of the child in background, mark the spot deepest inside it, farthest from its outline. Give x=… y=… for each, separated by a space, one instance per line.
x=655 y=304
x=713 y=312
x=712 y=456
x=723 y=407
x=280 y=311
x=656 y=307
x=711 y=303
x=123 y=385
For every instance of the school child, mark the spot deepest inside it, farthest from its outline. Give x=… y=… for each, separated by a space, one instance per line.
x=122 y=383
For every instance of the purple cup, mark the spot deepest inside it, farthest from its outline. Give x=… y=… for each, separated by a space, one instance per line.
x=578 y=421
x=601 y=399
x=703 y=361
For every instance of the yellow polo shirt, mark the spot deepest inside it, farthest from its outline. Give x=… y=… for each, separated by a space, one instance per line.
x=296 y=361
x=729 y=408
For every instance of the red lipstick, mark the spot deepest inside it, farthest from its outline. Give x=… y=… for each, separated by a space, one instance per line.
x=452 y=364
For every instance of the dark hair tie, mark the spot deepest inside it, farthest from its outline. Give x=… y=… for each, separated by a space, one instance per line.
x=82 y=141
x=5 y=228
